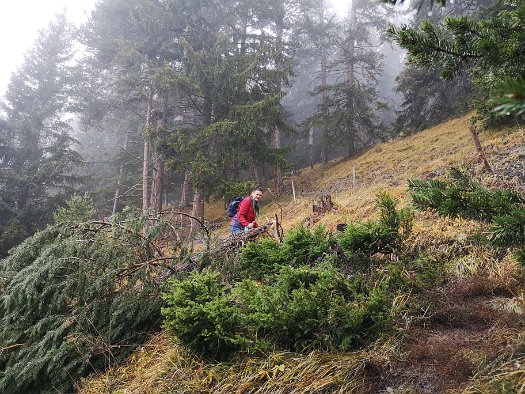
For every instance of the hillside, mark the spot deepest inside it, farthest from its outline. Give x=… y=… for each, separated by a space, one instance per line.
x=461 y=334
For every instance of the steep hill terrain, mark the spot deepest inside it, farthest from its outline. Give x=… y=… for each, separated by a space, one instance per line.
x=463 y=334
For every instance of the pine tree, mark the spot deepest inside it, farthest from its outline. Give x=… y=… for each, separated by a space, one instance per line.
x=231 y=82
x=133 y=52
x=487 y=46
x=38 y=158
x=350 y=100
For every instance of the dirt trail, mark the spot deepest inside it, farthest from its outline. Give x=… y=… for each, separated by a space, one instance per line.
x=462 y=334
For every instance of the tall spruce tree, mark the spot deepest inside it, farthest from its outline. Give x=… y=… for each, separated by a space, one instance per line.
x=427 y=98
x=37 y=160
x=133 y=49
x=350 y=99
x=233 y=85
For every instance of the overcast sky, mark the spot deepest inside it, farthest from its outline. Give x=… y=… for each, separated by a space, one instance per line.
x=21 y=20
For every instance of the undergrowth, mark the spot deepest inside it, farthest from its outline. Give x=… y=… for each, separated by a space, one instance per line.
x=312 y=291
x=67 y=306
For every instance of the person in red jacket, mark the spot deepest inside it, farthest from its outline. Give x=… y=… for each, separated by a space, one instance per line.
x=246 y=217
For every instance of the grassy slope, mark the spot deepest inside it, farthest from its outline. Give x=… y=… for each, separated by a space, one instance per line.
x=470 y=333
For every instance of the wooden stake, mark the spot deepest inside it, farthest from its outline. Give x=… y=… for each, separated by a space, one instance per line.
x=479 y=148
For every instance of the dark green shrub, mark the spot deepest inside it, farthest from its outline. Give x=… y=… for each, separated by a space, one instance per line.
x=461 y=196
x=399 y=221
x=66 y=307
x=383 y=236
x=367 y=238
x=300 y=246
x=259 y=259
x=508 y=230
x=200 y=315
x=304 y=246
x=306 y=307
x=296 y=309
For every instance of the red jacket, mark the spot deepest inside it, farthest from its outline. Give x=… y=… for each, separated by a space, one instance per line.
x=246 y=213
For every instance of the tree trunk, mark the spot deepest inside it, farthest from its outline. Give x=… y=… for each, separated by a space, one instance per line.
x=185 y=193
x=198 y=198
x=311 y=146
x=350 y=80
x=116 y=200
x=277 y=132
x=324 y=92
x=198 y=209
x=278 y=177
x=145 y=164
x=157 y=186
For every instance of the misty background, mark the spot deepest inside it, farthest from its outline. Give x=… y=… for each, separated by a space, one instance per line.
x=153 y=104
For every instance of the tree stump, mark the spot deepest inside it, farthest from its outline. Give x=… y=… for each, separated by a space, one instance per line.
x=322 y=206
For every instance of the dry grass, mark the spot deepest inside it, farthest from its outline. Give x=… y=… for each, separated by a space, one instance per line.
x=162 y=366
x=385 y=167
x=444 y=354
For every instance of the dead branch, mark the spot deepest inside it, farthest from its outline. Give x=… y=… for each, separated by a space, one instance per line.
x=189 y=216
x=5 y=349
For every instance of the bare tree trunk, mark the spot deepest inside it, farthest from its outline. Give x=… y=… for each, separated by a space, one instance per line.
x=324 y=92
x=198 y=198
x=198 y=208
x=116 y=200
x=157 y=186
x=145 y=164
x=277 y=132
x=185 y=193
x=311 y=146
x=350 y=79
x=277 y=171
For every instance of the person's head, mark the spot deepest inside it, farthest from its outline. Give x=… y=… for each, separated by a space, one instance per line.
x=257 y=193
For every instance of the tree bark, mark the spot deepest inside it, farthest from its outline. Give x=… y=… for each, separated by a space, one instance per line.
x=278 y=178
x=479 y=148
x=116 y=200
x=157 y=186
x=185 y=192
x=324 y=92
x=350 y=79
x=277 y=171
x=311 y=146
x=198 y=208
x=198 y=197
x=145 y=164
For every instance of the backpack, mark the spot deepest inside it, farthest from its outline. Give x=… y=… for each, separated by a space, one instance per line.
x=234 y=206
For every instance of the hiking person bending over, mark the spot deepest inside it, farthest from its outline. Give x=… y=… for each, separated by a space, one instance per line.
x=245 y=218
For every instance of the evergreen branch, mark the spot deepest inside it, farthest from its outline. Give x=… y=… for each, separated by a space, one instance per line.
x=103 y=224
